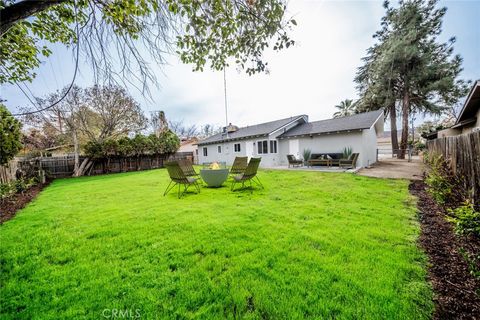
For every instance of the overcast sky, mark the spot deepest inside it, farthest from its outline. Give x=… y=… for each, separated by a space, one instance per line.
x=310 y=78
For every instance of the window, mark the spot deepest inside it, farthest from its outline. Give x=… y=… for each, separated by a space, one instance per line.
x=219 y=148
x=262 y=147
x=205 y=152
x=236 y=147
x=273 y=146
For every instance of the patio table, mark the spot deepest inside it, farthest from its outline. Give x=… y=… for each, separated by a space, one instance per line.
x=327 y=162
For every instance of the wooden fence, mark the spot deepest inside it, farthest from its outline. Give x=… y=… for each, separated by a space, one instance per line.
x=7 y=173
x=463 y=153
x=63 y=166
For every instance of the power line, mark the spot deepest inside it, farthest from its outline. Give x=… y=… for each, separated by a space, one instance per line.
x=72 y=82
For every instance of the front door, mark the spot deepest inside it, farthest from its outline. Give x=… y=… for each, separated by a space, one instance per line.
x=249 y=148
x=293 y=147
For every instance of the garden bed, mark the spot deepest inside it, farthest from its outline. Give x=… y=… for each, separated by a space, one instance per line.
x=456 y=290
x=11 y=205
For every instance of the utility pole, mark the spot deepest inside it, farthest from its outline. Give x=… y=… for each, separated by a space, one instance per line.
x=225 y=92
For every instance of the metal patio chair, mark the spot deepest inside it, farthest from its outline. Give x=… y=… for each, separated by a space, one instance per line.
x=292 y=161
x=351 y=162
x=179 y=178
x=249 y=175
x=239 y=166
x=187 y=168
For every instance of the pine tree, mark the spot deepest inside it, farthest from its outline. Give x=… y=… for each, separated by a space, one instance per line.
x=409 y=66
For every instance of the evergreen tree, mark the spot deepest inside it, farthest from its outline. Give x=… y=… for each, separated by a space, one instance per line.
x=409 y=66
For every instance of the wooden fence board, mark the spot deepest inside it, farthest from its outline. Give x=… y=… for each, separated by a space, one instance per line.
x=60 y=167
x=463 y=154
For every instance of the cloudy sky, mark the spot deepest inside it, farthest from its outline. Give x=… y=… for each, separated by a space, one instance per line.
x=310 y=78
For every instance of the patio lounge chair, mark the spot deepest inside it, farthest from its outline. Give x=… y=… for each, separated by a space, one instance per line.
x=179 y=178
x=249 y=175
x=239 y=165
x=292 y=161
x=349 y=163
x=187 y=168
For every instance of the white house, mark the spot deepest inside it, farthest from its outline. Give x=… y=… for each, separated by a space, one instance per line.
x=273 y=141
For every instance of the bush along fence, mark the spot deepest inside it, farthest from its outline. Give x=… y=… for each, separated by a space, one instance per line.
x=63 y=166
x=109 y=156
x=461 y=155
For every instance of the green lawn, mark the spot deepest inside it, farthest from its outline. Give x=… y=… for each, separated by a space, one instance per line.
x=311 y=245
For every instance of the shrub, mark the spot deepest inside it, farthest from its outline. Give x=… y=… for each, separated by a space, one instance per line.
x=6 y=190
x=21 y=185
x=465 y=219
x=420 y=146
x=18 y=186
x=443 y=185
x=347 y=152
x=306 y=154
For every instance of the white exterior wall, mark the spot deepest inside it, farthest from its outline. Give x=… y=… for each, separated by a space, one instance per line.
x=228 y=152
x=369 y=148
x=363 y=142
x=248 y=147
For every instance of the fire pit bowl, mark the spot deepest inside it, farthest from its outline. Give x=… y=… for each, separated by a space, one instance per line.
x=213 y=175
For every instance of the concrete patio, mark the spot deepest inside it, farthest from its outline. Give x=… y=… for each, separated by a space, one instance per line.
x=395 y=168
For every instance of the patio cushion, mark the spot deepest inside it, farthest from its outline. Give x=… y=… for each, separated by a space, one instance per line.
x=238 y=177
x=191 y=180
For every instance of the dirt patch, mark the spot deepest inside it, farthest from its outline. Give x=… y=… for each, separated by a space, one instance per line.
x=10 y=206
x=456 y=291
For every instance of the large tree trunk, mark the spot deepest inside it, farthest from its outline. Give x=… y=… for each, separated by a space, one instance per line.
x=22 y=10
x=393 y=128
x=405 y=116
x=83 y=168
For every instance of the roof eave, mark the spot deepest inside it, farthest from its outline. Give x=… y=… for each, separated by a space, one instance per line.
x=311 y=135
x=467 y=101
x=232 y=139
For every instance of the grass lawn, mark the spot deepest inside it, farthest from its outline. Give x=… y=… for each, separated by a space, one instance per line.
x=311 y=245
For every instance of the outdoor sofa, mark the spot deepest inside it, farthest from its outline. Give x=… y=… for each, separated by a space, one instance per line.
x=333 y=159
x=324 y=159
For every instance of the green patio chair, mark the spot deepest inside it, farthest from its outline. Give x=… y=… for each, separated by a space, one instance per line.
x=292 y=161
x=349 y=163
x=239 y=166
x=178 y=177
x=187 y=168
x=249 y=175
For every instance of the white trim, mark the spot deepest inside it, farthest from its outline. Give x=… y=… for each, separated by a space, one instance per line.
x=469 y=97
x=375 y=122
x=304 y=117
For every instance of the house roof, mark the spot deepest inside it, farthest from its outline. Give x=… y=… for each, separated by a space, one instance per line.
x=261 y=129
x=470 y=107
x=356 y=122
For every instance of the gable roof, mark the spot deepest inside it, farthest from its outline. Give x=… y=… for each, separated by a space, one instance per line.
x=355 y=122
x=261 y=129
x=470 y=107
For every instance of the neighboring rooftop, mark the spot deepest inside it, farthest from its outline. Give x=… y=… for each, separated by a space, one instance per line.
x=470 y=107
x=261 y=129
x=356 y=122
